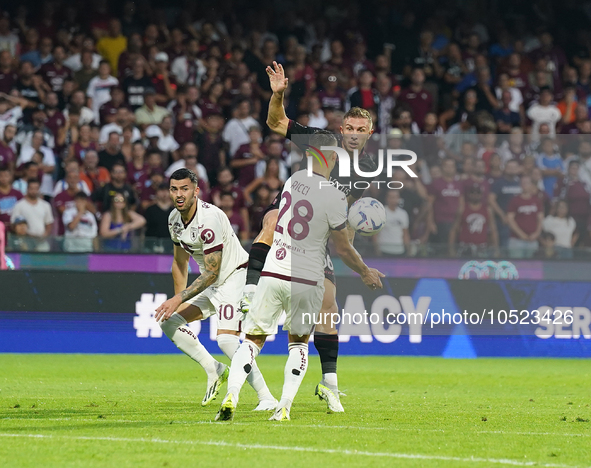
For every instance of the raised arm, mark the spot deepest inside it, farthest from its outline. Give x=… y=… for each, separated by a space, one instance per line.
x=277 y=119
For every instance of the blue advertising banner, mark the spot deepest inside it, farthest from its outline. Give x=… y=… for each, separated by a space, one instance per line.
x=84 y=312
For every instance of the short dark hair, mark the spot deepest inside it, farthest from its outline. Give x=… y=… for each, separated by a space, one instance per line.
x=80 y=196
x=185 y=173
x=118 y=163
x=33 y=180
x=322 y=138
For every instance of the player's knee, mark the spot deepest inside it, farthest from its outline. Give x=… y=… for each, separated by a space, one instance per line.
x=170 y=326
x=228 y=344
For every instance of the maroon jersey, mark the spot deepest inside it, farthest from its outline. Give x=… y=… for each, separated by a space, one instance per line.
x=334 y=100
x=246 y=174
x=7 y=202
x=80 y=151
x=236 y=193
x=474 y=225
x=55 y=122
x=209 y=107
x=7 y=81
x=62 y=199
x=148 y=193
x=183 y=131
x=421 y=103
x=526 y=213
x=55 y=77
x=158 y=83
x=484 y=187
x=237 y=222
x=577 y=196
x=137 y=177
x=447 y=199
x=6 y=156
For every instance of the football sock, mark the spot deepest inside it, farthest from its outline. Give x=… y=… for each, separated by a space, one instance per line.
x=295 y=370
x=186 y=340
x=241 y=367
x=256 y=261
x=229 y=344
x=328 y=350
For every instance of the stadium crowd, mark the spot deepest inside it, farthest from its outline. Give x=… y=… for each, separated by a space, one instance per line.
x=100 y=105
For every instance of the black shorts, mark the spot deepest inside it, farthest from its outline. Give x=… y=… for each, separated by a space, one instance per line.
x=329 y=269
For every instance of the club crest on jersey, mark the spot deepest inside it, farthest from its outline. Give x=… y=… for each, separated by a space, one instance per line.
x=281 y=253
x=193 y=234
x=207 y=236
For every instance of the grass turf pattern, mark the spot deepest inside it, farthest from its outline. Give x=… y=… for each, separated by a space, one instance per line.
x=138 y=410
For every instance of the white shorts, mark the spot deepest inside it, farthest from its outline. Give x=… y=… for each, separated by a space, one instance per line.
x=301 y=303
x=223 y=300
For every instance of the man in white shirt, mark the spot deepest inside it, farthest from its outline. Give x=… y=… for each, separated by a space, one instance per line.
x=188 y=69
x=47 y=161
x=236 y=130
x=122 y=118
x=544 y=112
x=394 y=238
x=99 y=89
x=37 y=212
x=80 y=224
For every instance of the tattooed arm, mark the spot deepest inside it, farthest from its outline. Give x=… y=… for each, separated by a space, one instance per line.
x=213 y=262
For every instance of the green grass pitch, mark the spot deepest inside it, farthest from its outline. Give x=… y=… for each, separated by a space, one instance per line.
x=144 y=411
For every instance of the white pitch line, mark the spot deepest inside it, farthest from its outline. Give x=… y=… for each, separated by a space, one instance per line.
x=221 y=443
x=308 y=426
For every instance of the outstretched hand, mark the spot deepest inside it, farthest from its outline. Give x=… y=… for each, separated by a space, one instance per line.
x=277 y=78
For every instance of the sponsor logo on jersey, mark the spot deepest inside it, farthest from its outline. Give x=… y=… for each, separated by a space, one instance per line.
x=281 y=253
x=207 y=236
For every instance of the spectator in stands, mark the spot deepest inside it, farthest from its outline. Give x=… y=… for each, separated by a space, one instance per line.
x=37 y=214
x=163 y=82
x=475 y=228
x=104 y=195
x=156 y=215
x=417 y=97
x=505 y=118
x=99 y=89
x=78 y=104
x=247 y=156
x=150 y=113
x=123 y=118
x=189 y=69
x=55 y=72
x=576 y=194
x=112 y=45
x=547 y=248
x=46 y=160
x=186 y=112
x=108 y=111
x=80 y=226
x=8 y=196
x=236 y=220
x=502 y=192
x=226 y=184
x=30 y=170
x=551 y=164
x=188 y=151
x=525 y=215
x=111 y=154
x=444 y=200
x=7 y=156
x=136 y=84
x=580 y=124
x=236 y=130
x=544 y=112
x=8 y=76
x=136 y=168
x=24 y=137
x=364 y=95
x=564 y=228
x=271 y=178
x=394 y=238
x=94 y=175
x=118 y=224
x=149 y=188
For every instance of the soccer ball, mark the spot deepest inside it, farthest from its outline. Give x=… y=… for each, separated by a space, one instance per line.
x=367 y=216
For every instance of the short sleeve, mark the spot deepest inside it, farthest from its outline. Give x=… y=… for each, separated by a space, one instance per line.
x=48 y=214
x=294 y=128
x=337 y=213
x=68 y=217
x=405 y=222
x=211 y=235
